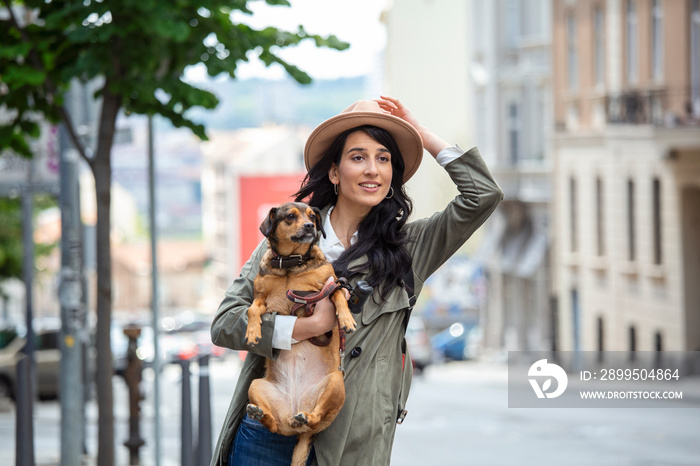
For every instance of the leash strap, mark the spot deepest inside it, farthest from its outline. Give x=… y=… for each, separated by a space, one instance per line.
x=409 y=286
x=305 y=301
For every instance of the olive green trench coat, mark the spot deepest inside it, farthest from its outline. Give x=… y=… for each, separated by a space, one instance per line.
x=378 y=380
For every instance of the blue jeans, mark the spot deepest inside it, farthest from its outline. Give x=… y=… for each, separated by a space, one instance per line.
x=254 y=445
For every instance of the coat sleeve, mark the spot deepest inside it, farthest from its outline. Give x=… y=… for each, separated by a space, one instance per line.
x=231 y=321
x=434 y=240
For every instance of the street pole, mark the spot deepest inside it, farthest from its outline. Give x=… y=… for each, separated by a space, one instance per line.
x=26 y=397
x=28 y=265
x=24 y=425
x=204 y=431
x=186 y=445
x=154 y=286
x=72 y=311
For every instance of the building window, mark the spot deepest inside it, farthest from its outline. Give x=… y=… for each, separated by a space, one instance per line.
x=512 y=21
x=601 y=345
x=632 y=41
x=600 y=217
x=533 y=18
x=599 y=46
x=631 y=238
x=695 y=56
x=632 y=341
x=572 y=214
x=656 y=187
x=657 y=41
x=658 y=342
x=513 y=133
x=575 y=317
x=572 y=55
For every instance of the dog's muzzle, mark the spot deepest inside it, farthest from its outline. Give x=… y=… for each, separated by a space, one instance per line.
x=306 y=235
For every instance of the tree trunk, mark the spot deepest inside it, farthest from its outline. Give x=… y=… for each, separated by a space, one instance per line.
x=102 y=171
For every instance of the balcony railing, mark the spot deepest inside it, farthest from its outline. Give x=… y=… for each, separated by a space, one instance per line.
x=659 y=107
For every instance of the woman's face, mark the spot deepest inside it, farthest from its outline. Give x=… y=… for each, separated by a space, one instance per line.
x=364 y=173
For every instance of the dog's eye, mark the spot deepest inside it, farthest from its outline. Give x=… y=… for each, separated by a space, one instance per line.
x=312 y=217
x=291 y=217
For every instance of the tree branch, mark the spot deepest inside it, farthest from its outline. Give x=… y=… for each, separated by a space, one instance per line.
x=65 y=116
x=50 y=87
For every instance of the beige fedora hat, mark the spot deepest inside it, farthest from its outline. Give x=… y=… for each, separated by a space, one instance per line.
x=366 y=112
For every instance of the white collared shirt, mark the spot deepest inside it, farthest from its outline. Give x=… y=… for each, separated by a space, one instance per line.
x=331 y=245
x=332 y=248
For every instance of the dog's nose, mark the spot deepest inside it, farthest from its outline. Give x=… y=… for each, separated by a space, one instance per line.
x=309 y=226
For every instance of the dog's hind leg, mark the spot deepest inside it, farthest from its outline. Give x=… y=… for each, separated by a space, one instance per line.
x=330 y=399
x=263 y=398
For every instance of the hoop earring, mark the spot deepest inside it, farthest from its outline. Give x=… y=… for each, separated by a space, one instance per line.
x=335 y=189
x=391 y=188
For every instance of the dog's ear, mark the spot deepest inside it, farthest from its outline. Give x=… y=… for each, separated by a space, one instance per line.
x=267 y=224
x=319 y=221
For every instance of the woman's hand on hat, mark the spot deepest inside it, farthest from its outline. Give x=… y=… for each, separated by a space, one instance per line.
x=396 y=108
x=431 y=141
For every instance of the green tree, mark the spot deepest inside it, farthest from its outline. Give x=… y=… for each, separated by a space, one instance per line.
x=10 y=239
x=138 y=50
x=11 y=248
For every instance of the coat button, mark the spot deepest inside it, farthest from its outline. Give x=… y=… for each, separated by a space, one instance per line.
x=356 y=351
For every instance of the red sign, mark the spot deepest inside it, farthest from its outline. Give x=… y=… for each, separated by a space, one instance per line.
x=258 y=195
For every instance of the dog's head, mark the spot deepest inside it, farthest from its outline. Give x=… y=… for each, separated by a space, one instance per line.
x=293 y=222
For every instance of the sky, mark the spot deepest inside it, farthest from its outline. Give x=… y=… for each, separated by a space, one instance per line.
x=353 y=21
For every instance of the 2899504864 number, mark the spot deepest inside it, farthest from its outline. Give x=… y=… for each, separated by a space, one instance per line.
x=639 y=374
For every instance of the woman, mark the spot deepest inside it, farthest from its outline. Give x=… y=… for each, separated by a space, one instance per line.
x=358 y=162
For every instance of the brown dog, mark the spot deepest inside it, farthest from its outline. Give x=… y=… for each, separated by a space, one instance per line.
x=303 y=389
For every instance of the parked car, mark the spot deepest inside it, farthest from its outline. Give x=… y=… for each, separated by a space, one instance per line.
x=183 y=337
x=418 y=344
x=458 y=342
x=47 y=355
x=188 y=337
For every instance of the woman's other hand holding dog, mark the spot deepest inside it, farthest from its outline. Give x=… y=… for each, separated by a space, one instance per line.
x=321 y=321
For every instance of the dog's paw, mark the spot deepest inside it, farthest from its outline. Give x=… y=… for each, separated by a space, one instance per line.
x=300 y=419
x=254 y=412
x=252 y=339
x=348 y=324
x=252 y=342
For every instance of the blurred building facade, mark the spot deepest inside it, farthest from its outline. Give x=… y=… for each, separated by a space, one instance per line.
x=511 y=68
x=425 y=67
x=626 y=150
x=229 y=157
x=180 y=284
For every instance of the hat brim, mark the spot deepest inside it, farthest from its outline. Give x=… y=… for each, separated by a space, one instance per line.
x=406 y=137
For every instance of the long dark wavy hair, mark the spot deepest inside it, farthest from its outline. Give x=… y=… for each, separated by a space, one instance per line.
x=380 y=234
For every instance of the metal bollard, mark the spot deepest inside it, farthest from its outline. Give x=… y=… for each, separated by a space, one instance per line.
x=132 y=376
x=24 y=423
x=204 y=432
x=186 y=447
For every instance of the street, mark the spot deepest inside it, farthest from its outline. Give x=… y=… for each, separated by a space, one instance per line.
x=458 y=415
